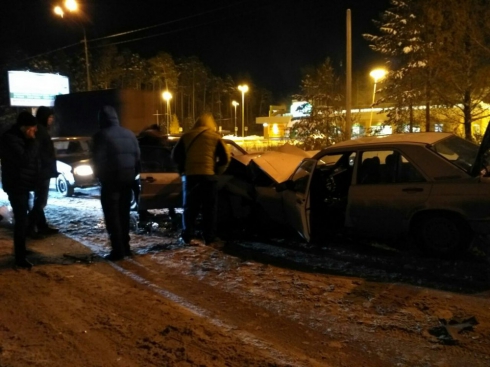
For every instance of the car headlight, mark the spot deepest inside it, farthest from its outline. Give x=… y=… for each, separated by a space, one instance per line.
x=83 y=170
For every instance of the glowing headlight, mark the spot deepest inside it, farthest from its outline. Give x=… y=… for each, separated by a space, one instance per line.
x=83 y=170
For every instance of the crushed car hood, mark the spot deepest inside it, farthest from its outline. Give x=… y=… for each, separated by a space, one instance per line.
x=70 y=160
x=279 y=165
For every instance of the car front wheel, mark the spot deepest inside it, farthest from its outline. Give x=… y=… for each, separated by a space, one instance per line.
x=63 y=186
x=442 y=234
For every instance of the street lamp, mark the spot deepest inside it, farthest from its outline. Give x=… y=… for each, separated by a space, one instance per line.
x=72 y=7
x=167 y=96
x=376 y=74
x=235 y=103
x=244 y=89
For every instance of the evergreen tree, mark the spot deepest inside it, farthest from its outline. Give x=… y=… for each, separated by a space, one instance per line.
x=325 y=124
x=438 y=54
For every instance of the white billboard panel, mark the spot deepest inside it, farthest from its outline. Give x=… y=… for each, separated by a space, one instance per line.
x=35 y=89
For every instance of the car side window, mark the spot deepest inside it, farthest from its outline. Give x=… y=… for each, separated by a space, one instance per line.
x=302 y=175
x=233 y=150
x=386 y=166
x=157 y=158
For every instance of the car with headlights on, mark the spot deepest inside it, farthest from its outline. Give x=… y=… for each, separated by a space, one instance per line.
x=433 y=188
x=74 y=164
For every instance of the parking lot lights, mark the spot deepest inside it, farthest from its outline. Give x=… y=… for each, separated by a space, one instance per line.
x=244 y=89
x=167 y=96
x=72 y=7
x=235 y=104
x=376 y=74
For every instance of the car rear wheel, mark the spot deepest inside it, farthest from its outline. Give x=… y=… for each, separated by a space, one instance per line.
x=134 y=201
x=442 y=234
x=63 y=186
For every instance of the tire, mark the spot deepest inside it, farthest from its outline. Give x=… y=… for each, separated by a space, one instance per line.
x=134 y=201
x=442 y=234
x=63 y=186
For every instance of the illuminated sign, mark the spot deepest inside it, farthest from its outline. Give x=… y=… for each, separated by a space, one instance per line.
x=35 y=89
x=300 y=109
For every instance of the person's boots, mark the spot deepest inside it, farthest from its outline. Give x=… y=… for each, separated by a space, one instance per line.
x=23 y=263
x=20 y=257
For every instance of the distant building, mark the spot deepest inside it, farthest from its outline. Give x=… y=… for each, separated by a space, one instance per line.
x=281 y=119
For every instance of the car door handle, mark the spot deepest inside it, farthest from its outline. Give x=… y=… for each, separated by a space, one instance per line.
x=413 y=189
x=149 y=179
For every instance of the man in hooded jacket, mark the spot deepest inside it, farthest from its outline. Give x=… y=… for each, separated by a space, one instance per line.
x=201 y=155
x=20 y=170
x=116 y=157
x=37 y=224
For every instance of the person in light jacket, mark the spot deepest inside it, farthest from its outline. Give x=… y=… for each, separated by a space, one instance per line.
x=201 y=156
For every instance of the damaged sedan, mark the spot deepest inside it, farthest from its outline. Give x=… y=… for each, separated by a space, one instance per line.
x=429 y=186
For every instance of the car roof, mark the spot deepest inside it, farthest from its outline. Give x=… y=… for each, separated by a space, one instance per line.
x=71 y=138
x=413 y=138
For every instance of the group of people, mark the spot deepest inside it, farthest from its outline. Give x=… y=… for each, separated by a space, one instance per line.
x=29 y=162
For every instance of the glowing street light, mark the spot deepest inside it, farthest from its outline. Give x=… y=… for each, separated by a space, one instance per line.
x=235 y=103
x=167 y=96
x=72 y=7
x=376 y=74
x=244 y=89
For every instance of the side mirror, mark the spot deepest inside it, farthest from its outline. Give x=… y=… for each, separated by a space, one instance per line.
x=286 y=185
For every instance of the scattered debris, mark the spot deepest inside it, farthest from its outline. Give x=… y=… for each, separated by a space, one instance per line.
x=448 y=331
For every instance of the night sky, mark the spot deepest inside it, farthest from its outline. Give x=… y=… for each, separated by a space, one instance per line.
x=270 y=40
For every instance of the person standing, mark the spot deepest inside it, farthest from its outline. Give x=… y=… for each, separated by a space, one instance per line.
x=116 y=157
x=37 y=224
x=201 y=156
x=20 y=172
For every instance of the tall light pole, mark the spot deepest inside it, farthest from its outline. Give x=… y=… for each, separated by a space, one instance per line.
x=376 y=74
x=235 y=103
x=244 y=89
x=72 y=7
x=167 y=96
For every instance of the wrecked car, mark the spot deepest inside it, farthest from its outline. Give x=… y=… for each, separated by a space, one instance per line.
x=160 y=182
x=428 y=186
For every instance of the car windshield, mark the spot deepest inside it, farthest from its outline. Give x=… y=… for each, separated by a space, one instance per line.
x=71 y=147
x=458 y=151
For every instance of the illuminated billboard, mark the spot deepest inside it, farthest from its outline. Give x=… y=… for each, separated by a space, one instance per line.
x=35 y=89
x=300 y=109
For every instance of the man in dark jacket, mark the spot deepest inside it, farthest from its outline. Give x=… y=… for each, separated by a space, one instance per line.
x=38 y=227
x=116 y=157
x=20 y=170
x=201 y=155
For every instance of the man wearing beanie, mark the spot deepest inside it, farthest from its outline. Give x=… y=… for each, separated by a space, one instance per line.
x=20 y=170
x=37 y=225
x=116 y=156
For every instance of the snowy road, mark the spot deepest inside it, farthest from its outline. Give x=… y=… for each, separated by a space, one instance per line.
x=330 y=305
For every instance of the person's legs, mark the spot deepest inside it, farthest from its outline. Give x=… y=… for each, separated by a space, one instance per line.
x=124 y=216
x=191 y=204
x=109 y=199
x=40 y=202
x=20 y=206
x=209 y=197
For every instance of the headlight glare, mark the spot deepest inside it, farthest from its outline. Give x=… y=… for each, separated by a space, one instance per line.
x=83 y=170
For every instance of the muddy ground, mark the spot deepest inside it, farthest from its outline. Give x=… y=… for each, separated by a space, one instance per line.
x=260 y=302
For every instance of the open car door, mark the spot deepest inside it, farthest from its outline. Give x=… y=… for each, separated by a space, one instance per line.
x=483 y=156
x=296 y=198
